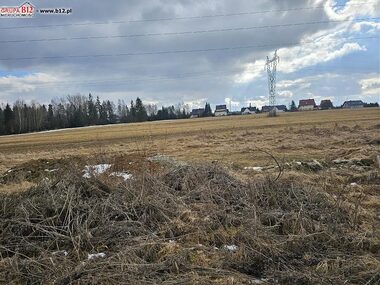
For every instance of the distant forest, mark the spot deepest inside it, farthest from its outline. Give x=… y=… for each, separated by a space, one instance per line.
x=79 y=111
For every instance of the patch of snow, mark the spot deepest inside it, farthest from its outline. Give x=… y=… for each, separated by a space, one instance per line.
x=231 y=247
x=10 y=170
x=91 y=256
x=172 y=241
x=255 y=168
x=93 y=170
x=354 y=184
x=126 y=176
x=51 y=170
x=60 y=252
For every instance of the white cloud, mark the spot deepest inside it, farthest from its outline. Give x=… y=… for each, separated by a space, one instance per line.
x=14 y=84
x=300 y=83
x=199 y=103
x=353 y=8
x=370 y=85
x=231 y=102
x=251 y=72
x=321 y=47
x=285 y=94
x=366 y=27
x=310 y=54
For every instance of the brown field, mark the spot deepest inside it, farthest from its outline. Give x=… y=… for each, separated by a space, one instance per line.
x=317 y=224
x=303 y=135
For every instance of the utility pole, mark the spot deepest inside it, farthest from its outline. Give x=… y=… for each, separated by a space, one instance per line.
x=271 y=66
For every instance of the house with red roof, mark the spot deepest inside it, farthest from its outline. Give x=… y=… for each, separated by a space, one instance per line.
x=306 y=105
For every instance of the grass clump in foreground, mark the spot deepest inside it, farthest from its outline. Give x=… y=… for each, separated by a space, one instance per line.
x=186 y=225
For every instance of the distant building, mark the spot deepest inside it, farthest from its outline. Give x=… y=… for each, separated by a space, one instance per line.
x=196 y=113
x=306 y=105
x=353 y=104
x=248 y=110
x=326 y=104
x=279 y=108
x=221 y=110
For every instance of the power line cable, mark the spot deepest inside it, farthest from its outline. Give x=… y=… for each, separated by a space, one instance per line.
x=174 y=51
x=188 y=17
x=187 y=32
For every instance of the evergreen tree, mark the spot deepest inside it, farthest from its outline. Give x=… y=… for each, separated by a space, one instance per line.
x=44 y=118
x=8 y=120
x=98 y=108
x=141 y=114
x=293 y=106
x=103 y=117
x=208 y=111
x=50 y=118
x=92 y=113
x=2 y=129
x=111 y=117
x=132 y=112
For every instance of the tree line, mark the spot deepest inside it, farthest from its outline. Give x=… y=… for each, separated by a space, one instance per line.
x=80 y=111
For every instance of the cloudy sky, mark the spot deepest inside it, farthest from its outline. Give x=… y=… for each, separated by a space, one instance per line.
x=193 y=51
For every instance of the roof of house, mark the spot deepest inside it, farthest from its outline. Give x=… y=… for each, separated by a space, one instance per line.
x=353 y=103
x=221 y=107
x=306 y=102
x=268 y=108
x=252 y=109
x=281 y=107
x=326 y=101
x=197 y=112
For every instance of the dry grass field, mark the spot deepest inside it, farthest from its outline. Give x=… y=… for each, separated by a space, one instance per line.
x=204 y=205
x=303 y=135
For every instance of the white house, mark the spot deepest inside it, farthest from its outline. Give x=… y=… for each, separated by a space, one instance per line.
x=353 y=104
x=279 y=108
x=221 y=110
x=248 y=110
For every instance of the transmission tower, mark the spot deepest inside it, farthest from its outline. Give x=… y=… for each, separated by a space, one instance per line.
x=271 y=66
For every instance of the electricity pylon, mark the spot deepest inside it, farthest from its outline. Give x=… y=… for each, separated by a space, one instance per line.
x=271 y=66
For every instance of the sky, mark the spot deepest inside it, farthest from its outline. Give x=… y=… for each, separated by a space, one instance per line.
x=193 y=51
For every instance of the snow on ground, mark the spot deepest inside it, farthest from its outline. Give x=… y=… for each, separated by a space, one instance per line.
x=93 y=170
x=255 y=168
x=51 y=170
x=231 y=247
x=91 y=256
x=60 y=252
x=126 y=176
